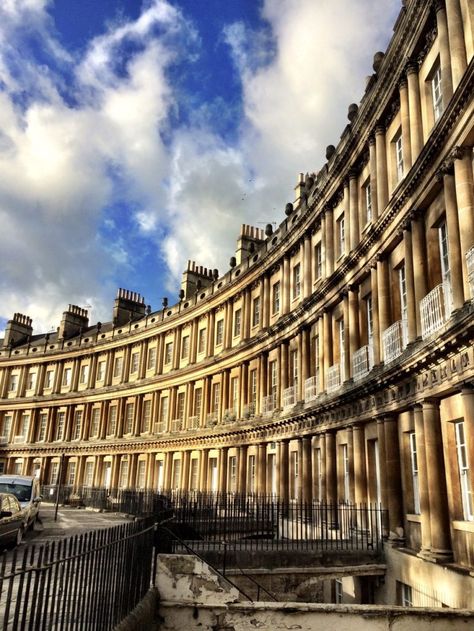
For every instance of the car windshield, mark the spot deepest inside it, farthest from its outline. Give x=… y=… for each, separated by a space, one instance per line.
x=20 y=491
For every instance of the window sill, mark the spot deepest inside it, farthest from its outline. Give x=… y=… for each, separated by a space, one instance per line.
x=414 y=517
x=464 y=525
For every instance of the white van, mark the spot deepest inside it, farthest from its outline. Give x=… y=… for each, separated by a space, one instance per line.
x=27 y=491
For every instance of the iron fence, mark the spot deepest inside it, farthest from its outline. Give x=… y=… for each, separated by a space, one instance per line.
x=262 y=522
x=89 y=581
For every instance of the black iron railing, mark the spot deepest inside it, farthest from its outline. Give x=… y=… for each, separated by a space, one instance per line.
x=89 y=581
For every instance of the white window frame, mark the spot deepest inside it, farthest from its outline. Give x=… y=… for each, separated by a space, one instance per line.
x=296 y=281
x=467 y=497
x=437 y=94
x=399 y=157
x=414 y=473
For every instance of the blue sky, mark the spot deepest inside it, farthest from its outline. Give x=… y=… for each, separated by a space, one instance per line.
x=137 y=135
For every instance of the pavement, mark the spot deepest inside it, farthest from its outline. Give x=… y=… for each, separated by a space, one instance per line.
x=69 y=522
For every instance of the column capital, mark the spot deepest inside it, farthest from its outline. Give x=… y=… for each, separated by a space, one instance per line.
x=430 y=403
x=372 y=140
x=446 y=168
x=459 y=152
x=403 y=83
x=411 y=67
x=353 y=173
x=379 y=128
x=439 y=5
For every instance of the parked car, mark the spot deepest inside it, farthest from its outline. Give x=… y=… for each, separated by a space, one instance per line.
x=26 y=489
x=13 y=521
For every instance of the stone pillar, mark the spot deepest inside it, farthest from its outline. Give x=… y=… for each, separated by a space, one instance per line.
x=331 y=467
x=405 y=119
x=467 y=398
x=223 y=452
x=320 y=367
x=285 y=286
x=360 y=473
x=444 y=54
x=419 y=266
x=247 y=302
x=283 y=469
x=307 y=477
x=185 y=466
x=327 y=325
x=305 y=359
x=244 y=386
x=382 y=176
x=203 y=470
x=436 y=477
x=454 y=243
x=329 y=240
x=376 y=339
x=382 y=462
x=383 y=297
x=347 y=356
x=262 y=364
x=414 y=104
x=457 y=45
x=393 y=478
x=211 y=318
x=422 y=481
x=242 y=482
x=354 y=335
x=353 y=210
x=463 y=180
x=262 y=469
x=284 y=366
x=373 y=177
x=410 y=285
x=266 y=308
x=262 y=304
x=307 y=267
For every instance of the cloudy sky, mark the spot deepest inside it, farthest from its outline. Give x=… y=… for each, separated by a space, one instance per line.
x=135 y=135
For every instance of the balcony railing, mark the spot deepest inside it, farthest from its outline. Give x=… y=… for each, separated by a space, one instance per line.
x=229 y=415
x=394 y=340
x=268 y=404
x=159 y=427
x=470 y=269
x=435 y=309
x=212 y=419
x=334 y=378
x=177 y=425
x=249 y=410
x=289 y=397
x=3 y=439
x=193 y=422
x=19 y=439
x=311 y=387
x=362 y=362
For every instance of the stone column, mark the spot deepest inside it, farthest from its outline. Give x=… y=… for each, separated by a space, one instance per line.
x=360 y=473
x=410 y=284
x=454 y=243
x=285 y=286
x=327 y=325
x=242 y=482
x=382 y=176
x=329 y=240
x=262 y=365
x=444 y=54
x=331 y=467
x=419 y=265
x=414 y=104
x=284 y=365
x=185 y=466
x=247 y=302
x=244 y=386
x=307 y=267
x=347 y=356
x=320 y=367
x=266 y=302
x=373 y=177
x=422 y=481
x=467 y=398
x=353 y=211
x=262 y=304
x=210 y=333
x=382 y=461
x=436 y=477
x=283 y=469
x=405 y=119
x=307 y=478
x=223 y=452
x=354 y=334
x=393 y=478
x=383 y=297
x=228 y=317
x=262 y=469
x=457 y=45
x=305 y=359
x=203 y=470
x=463 y=180
x=376 y=338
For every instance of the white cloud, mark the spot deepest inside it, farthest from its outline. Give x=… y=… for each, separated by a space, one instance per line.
x=63 y=164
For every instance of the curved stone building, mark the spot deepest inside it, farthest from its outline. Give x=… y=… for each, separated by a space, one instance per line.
x=333 y=361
